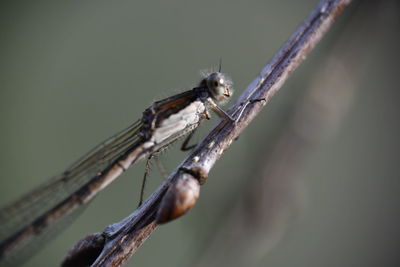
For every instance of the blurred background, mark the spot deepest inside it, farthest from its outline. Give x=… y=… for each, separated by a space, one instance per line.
x=314 y=181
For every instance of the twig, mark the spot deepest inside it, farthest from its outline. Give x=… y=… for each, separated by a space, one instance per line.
x=260 y=216
x=122 y=239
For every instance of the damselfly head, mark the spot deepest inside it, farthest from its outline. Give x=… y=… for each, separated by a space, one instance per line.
x=220 y=86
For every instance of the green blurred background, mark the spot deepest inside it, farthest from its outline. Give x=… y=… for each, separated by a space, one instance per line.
x=75 y=72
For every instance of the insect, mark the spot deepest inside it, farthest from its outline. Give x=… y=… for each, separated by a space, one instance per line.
x=36 y=215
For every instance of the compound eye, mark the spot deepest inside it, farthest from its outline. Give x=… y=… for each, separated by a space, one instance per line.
x=213 y=81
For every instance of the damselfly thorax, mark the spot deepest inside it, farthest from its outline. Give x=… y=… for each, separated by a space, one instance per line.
x=169 y=119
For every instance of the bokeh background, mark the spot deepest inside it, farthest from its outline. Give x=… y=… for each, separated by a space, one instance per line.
x=314 y=181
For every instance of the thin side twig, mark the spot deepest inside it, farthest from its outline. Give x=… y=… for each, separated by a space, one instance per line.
x=121 y=240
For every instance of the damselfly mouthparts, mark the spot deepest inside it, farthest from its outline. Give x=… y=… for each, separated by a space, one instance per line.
x=27 y=221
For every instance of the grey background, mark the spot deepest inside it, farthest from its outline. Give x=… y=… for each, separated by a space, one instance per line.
x=75 y=72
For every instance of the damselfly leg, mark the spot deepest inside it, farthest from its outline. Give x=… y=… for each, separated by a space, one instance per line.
x=244 y=105
x=185 y=146
x=146 y=172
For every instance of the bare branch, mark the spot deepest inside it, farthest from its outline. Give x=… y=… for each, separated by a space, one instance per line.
x=122 y=239
x=262 y=213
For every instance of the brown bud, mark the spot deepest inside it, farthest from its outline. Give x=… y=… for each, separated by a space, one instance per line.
x=179 y=198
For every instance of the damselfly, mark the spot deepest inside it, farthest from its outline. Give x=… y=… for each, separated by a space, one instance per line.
x=35 y=215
